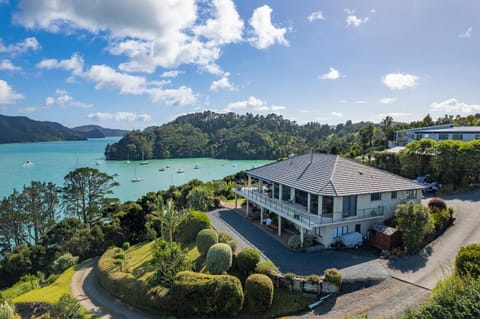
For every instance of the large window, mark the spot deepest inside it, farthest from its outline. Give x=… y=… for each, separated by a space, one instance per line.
x=339 y=231
x=477 y=136
x=412 y=194
x=375 y=196
x=443 y=137
x=457 y=137
x=394 y=195
x=327 y=205
x=349 y=206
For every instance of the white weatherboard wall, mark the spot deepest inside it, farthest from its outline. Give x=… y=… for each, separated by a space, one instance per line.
x=327 y=232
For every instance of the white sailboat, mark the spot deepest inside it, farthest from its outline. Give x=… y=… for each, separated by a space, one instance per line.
x=136 y=178
x=144 y=162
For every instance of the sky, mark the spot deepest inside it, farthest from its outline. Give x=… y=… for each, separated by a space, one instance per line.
x=134 y=64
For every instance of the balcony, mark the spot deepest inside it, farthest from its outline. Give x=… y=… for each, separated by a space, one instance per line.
x=299 y=215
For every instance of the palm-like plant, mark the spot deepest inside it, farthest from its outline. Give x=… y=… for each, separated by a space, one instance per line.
x=169 y=217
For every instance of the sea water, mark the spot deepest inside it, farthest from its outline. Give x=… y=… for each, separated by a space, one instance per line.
x=50 y=161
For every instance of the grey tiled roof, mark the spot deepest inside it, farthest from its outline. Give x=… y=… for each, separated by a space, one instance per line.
x=455 y=129
x=331 y=175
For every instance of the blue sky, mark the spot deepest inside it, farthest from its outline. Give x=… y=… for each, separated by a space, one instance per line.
x=133 y=64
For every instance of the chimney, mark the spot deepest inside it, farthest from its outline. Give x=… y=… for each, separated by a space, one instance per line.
x=311 y=155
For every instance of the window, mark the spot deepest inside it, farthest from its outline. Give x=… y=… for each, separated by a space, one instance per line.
x=418 y=136
x=412 y=194
x=349 y=206
x=458 y=137
x=358 y=228
x=477 y=136
x=375 y=196
x=340 y=231
x=443 y=137
x=394 y=195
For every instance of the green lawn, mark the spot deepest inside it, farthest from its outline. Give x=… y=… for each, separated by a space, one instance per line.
x=287 y=302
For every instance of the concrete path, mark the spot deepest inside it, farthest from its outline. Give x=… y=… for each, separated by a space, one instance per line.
x=353 y=265
x=92 y=297
x=435 y=262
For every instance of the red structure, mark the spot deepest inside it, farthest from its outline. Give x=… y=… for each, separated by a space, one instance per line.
x=384 y=237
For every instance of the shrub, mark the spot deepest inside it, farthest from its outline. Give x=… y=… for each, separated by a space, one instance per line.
x=258 y=293
x=66 y=308
x=51 y=279
x=195 y=294
x=437 y=203
x=233 y=244
x=191 y=225
x=219 y=258
x=7 y=310
x=441 y=217
x=414 y=222
x=224 y=237
x=121 y=256
x=126 y=245
x=334 y=276
x=266 y=268
x=206 y=238
x=169 y=259
x=294 y=242
x=289 y=277
x=247 y=260
x=467 y=261
x=64 y=262
x=314 y=279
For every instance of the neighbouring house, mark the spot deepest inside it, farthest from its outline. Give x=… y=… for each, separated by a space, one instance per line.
x=437 y=133
x=384 y=237
x=326 y=195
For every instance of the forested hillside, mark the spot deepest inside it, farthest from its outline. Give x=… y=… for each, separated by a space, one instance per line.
x=18 y=129
x=235 y=136
x=96 y=131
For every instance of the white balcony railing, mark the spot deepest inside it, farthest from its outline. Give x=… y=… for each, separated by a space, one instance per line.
x=299 y=214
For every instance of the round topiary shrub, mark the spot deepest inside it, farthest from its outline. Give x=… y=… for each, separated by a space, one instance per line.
x=206 y=238
x=191 y=225
x=219 y=258
x=267 y=267
x=126 y=245
x=224 y=237
x=247 y=260
x=467 y=261
x=258 y=293
x=63 y=262
x=437 y=203
x=334 y=276
x=7 y=310
x=294 y=242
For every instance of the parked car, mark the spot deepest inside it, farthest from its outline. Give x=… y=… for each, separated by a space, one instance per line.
x=351 y=240
x=425 y=181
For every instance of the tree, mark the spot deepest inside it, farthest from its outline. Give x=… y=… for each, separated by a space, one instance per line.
x=200 y=198
x=170 y=259
x=171 y=218
x=414 y=222
x=84 y=193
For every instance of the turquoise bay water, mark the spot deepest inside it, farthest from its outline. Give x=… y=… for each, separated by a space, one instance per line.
x=53 y=160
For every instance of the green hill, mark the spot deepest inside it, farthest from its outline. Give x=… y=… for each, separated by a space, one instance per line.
x=96 y=131
x=18 y=129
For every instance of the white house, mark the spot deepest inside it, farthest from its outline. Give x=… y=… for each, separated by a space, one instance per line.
x=326 y=195
x=437 y=133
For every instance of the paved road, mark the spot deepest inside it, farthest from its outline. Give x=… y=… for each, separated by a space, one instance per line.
x=353 y=266
x=435 y=262
x=92 y=297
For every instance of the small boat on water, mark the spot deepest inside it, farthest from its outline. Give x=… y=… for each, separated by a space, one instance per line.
x=234 y=165
x=196 y=167
x=28 y=164
x=180 y=171
x=136 y=179
x=161 y=169
x=144 y=162
x=168 y=166
x=115 y=174
x=99 y=162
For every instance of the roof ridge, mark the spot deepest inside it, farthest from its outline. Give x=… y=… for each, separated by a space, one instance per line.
x=330 y=179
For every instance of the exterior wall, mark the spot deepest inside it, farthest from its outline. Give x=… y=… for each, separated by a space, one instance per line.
x=327 y=232
x=337 y=208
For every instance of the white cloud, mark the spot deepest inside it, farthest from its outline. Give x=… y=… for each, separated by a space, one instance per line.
x=7 y=65
x=330 y=75
x=175 y=97
x=252 y=104
x=467 y=33
x=74 y=64
x=120 y=116
x=225 y=27
x=222 y=83
x=317 y=15
x=387 y=100
x=107 y=78
x=265 y=33
x=171 y=74
x=27 y=110
x=400 y=81
x=29 y=44
x=353 y=20
x=63 y=99
x=7 y=94
x=337 y=114
x=452 y=105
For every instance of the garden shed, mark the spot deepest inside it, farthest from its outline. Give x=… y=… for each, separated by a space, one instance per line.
x=384 y=237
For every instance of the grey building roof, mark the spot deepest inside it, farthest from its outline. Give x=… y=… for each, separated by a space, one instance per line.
x=455 y=129
x=331 y=175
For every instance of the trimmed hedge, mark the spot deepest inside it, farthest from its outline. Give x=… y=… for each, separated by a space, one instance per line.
x=206 y=238
x=259 y=293
x=294 y=242
x=194 y=294
x=194 y=222
x=219 y=258
x=247 y=260
x=467 y=262
x=267 y=267
x=7 y=310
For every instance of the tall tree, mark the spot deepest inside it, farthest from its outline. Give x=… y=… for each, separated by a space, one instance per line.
x=171 y=218
x=84 y=192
